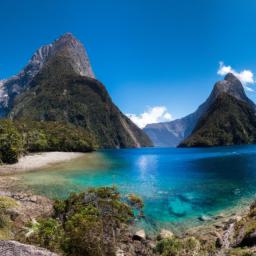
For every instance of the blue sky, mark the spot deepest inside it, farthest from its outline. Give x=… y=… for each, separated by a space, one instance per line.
x=147 y=52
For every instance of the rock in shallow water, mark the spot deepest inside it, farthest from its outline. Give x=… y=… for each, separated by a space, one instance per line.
x=204 y=218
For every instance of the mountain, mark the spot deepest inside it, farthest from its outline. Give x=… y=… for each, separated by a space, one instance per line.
x=58 y=85
x=228 y=121
x=66 y=45
x=170 y=134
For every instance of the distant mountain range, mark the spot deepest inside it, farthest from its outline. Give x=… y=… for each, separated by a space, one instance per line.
x=178 y=131
x=58 y=85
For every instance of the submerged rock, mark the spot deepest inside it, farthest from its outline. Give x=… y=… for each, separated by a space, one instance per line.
x=220 y=216
x=204 y=218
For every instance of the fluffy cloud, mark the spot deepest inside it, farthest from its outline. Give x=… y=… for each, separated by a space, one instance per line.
x=152 y=115
x=245 y=76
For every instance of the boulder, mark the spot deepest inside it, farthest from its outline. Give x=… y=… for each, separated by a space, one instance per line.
x=249 y=240
x=120 y=252
x=164 y=234
x=13 y=248
x=139 y=235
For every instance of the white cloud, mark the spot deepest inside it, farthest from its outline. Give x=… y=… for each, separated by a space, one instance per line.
x=245 y=76
x=152 y=115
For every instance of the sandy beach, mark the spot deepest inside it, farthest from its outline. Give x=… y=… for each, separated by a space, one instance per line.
x=38 y=160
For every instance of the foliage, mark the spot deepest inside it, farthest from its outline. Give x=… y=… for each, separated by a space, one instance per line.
x=11 y=146
x=6 y=203
x=20 y=137
x=227 y=122
x=85 y=223
x=135 y=201
x=48 y=233
x=54 y=136
x=178 y=247
x=58 y=94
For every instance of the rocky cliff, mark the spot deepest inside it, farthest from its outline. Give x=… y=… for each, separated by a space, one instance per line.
x=172 y=133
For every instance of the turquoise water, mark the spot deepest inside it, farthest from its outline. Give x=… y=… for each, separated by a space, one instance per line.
x=177 y=185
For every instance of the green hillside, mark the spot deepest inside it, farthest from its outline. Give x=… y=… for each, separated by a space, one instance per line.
x=228 y=121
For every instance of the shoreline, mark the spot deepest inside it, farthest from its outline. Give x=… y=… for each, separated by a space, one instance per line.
x=36 y=161
x=215 y=233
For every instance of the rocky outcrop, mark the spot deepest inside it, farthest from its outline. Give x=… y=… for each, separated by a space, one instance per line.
x=14 y=248
x=27 y=208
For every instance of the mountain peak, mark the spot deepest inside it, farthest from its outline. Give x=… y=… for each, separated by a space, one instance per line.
x=171 y=133
x=230 y=77
x=228 y=121
x=68 y=38
x=66 y=46
x=67 y=35
x=70 y=47
x=230 y=85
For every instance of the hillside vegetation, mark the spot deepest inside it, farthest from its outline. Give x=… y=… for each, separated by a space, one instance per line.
x=20 y=137
x=57 y=93
x=228 y=121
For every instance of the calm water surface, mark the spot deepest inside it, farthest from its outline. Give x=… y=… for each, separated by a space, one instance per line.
x=177 y=185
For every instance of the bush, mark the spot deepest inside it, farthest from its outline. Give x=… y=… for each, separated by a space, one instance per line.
x=135 y=201
x=85 y=223
x=178 y=247
x=5 y=220
x=11 y=143
x=85 y=234
x=47 y=233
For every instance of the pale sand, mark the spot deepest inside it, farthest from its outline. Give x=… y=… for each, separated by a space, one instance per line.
x=38 y=160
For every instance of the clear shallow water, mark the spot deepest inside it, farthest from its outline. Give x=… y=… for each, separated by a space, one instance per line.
x=177 y=185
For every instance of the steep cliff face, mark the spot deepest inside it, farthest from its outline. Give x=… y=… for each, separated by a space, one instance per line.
x=228 y=121
x=172 y=133
x=65 y=90
x=67 y=45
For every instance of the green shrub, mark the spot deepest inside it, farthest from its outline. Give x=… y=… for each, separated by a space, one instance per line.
x=49 y=234
x=178 y=247
x=11 y=143
x=5 y=220
x=84 y=224
x=85 y=234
